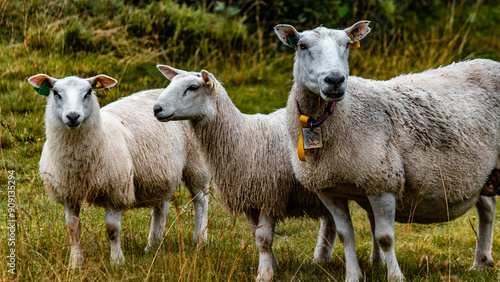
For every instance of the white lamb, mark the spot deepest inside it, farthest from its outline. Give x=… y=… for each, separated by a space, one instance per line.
x=247 y=158
x=117 y=157
x=416 y=148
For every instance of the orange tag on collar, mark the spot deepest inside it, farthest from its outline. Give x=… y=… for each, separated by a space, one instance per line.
x=300 y=147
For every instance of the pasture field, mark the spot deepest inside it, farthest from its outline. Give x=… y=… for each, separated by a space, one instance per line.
x=126 y=39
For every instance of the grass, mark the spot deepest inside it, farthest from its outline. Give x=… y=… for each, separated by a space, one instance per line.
x=64 y=38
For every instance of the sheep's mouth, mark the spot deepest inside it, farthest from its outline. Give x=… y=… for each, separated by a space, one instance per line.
x=75 y=124
x=164 y=118
x=332 y=96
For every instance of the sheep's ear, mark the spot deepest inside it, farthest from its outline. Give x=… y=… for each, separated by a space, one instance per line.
x=39 y=79
x=357 y=32
x=169 y=72
x=42 y=83
x=209 y=79
x=102 y=81
x=287 y=34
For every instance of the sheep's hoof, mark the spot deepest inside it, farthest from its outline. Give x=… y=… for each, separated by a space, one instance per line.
x=322 y=255
x=150 y=249
x=397 y=277
x=321 y=260
x=482 y=266
x=200 y=240
x=118 y=259
x=266 y=269
x=354 y=277
x=76 y=260
x=264 y=275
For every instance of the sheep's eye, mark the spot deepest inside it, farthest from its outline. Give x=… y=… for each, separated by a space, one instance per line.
x=88 y=94
x=302 y=46
x=193 y=88
x=56 y=94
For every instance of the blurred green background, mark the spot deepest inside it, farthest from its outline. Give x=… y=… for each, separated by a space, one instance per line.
x=235 y=41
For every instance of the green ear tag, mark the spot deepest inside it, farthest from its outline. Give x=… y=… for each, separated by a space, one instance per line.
x=44 y=90
x=291 y=39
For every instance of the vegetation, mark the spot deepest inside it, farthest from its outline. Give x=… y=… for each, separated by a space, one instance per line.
x=234 y=40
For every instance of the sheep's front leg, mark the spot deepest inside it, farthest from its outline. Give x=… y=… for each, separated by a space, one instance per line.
x=113 y=227
x=198 y=183
x=340 y=212
x=264 y=234
x=157 y=229
x=326 y=240
x=486 y=208
x=384 y=211
x=200 y=200
x=73 y=225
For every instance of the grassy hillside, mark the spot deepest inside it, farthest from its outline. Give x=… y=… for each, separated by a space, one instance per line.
x=126 y=39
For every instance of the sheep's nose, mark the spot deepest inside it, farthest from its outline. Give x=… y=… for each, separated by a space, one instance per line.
x=73 y=116
x=335 y=79
x=157 y=109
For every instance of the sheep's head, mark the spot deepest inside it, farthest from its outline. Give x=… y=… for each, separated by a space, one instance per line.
x=321 y=56
x=189 y=96
x=72 y=98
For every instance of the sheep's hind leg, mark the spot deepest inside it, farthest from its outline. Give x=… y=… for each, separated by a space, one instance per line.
x=113 y=227
x=157 y=229
x=264 y=233
x=377 y=256
x=326 y=240
x=73 y=225
x=486 y=208
x=340 y=212
x=384 y=211
x=253 y=220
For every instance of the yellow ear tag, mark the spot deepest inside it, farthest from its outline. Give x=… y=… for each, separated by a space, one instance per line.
x=355 y=44
x=215 y=87
x=98 y=85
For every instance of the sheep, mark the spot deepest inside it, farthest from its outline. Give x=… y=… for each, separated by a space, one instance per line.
x=117 y=157
x=247 y=159
x=415 y=148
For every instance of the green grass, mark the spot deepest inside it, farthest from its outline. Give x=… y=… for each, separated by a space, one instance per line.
x=62 y=38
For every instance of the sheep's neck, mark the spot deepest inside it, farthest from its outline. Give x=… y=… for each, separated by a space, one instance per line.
x=85 y=139
x=310 y=103
x=222 y=134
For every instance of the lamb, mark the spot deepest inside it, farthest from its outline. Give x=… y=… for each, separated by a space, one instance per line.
x=117 y=157
x=416 y=148
x=246 y=157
